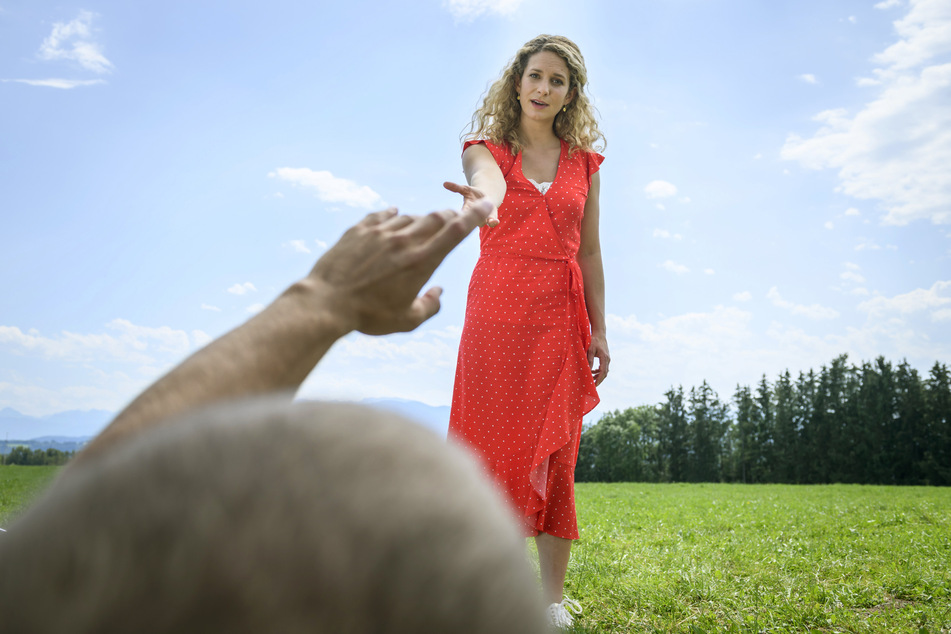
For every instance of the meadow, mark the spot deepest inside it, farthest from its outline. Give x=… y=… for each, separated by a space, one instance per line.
x=736 y=558
x=20 y=484
x=762 y=558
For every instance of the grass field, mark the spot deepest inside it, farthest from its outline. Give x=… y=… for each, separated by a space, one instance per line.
x=722 y=558
x=762 y=558
x=19 y=485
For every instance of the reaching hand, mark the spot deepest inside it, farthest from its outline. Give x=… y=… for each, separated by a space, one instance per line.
x=599 y=350
x=376 y=270
x=471 y=196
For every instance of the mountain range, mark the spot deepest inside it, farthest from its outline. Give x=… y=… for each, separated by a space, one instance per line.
x=78 y=426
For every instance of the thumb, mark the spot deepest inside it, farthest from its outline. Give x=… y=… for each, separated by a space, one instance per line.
x=424 y=306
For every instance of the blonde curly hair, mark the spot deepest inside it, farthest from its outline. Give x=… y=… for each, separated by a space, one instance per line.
x=498 y=118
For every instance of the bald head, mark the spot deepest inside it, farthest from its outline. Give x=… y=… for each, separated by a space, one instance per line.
x=264 y=516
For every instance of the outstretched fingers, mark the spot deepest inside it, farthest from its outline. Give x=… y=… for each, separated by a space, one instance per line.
x=378 y=217
x=458 y=226
x=456 y=188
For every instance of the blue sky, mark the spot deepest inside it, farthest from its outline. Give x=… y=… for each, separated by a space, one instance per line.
x=777 y=189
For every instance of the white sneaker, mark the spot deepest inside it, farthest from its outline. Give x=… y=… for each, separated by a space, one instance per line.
x=559 y=614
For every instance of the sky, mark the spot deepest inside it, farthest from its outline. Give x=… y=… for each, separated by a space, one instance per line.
x=776 y=190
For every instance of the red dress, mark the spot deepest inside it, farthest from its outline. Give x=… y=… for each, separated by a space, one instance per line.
x=523 y=381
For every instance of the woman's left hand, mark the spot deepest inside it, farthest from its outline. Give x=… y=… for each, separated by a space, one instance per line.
x=599 y=350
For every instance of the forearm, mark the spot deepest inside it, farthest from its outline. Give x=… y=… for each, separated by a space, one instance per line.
x=491 y=183
x=272 y=352
x=592 y=271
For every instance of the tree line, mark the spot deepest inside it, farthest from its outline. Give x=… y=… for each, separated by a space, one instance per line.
x=874 y=423
x=35 y=457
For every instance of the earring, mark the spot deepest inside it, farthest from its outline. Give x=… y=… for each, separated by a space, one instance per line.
x=564 y=108
x=518 y=97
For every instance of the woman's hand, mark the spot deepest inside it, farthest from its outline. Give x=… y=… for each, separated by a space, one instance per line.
x=599 y=350
x=470 y=196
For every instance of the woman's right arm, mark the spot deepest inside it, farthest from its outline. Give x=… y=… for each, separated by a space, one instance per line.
x=485 y=181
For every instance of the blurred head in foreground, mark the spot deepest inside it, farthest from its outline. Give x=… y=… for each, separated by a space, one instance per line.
x=266 y=516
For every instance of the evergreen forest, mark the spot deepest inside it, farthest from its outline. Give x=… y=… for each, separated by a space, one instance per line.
x=874 y=423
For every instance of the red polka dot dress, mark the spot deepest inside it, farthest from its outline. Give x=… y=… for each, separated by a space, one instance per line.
x=523 y=382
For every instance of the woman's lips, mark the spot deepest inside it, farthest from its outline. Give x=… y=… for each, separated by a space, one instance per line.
x=539 y=104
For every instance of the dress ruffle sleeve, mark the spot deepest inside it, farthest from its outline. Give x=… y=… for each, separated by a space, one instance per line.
x=594 y=164
x=501 y=154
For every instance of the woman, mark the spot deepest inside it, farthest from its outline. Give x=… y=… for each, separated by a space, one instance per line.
x=535 y=315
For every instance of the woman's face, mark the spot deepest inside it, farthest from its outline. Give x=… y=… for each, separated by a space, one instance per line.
x=543 y=86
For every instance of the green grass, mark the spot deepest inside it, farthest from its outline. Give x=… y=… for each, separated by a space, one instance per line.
x=18 y=486
x=762 y=558
x=722 y=558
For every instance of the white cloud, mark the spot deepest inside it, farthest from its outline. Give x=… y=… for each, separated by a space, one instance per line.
x=63 y=84
x=673 y=267
x=745 y=296
x=757 y=157
x=329 y=188
x=660 y=189
x=73 y=41
x=241 y=289
x=321 y=244
x=829 y=225
x=897 y=149
x=126 y=342
x=200 y=337
x=299 y=246
x=467 y=10
x=852 y=276
x=663 y=233
x=852 y=211
x=417 y=365
x=912 y=302
x=254 y=309
x=708 y=271
x=853 y=19
x=888 y=4
x=210 y=307
x=925 y=33
x=39 y=400
x=852 y=266
x=814 y=311
x=809 y=78
x=941 y=315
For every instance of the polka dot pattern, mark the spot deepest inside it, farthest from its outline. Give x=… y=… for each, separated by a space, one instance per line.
x=523 y=382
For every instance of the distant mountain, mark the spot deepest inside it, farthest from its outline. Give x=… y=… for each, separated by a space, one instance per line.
x=431 y=416
x=436 y=418
x=63 y=444
x=63 y=426
x=76 y=426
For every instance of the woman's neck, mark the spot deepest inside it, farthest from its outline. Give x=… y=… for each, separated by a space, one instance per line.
x=537 y=134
